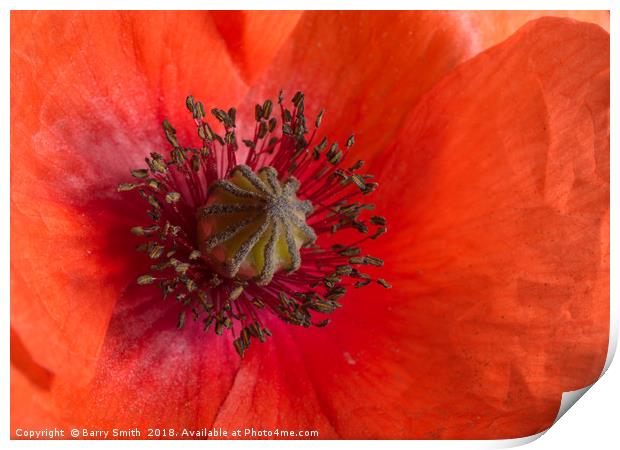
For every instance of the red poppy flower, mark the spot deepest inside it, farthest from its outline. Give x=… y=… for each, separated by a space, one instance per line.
x=489 y=136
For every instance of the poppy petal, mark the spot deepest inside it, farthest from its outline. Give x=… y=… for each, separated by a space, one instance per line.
x=365 y=70
x=30 y=405
x=85 y=108
x=150 y=374
x=500 y=254
x=67 y=269
x=30 y=383
x=493 y=27
x=254 y=37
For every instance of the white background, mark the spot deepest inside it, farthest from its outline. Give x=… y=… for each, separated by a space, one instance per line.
x=592 y=423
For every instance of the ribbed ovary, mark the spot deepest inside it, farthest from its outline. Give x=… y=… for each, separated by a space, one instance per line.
x=253 y=225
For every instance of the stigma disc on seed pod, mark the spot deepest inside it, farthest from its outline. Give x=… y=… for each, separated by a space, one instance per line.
x=253 y=225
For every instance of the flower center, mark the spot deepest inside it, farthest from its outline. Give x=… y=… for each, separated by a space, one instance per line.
x=239 y=236
x=253 y=225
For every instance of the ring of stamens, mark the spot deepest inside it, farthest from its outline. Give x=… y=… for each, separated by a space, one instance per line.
x=287 y=196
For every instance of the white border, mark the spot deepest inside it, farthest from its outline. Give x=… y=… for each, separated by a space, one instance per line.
x=590 y=422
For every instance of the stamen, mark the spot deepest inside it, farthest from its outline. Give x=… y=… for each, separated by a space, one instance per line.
x=235 y=243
